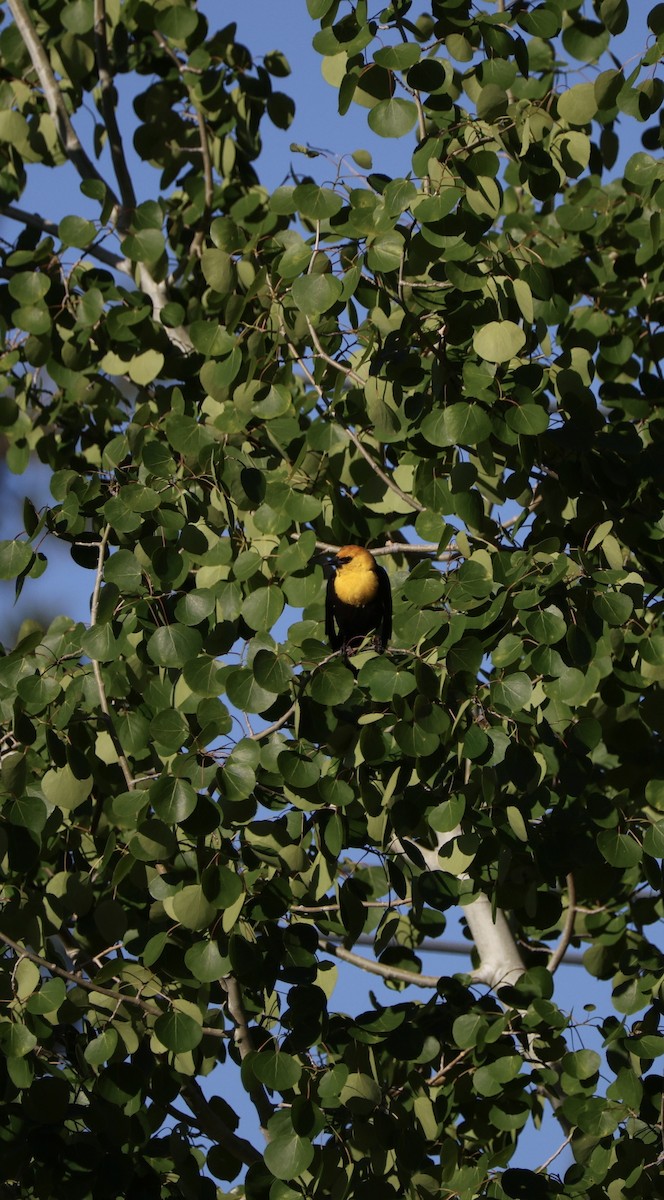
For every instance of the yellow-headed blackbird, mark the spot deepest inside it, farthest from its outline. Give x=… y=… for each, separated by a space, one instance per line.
x=358 y=601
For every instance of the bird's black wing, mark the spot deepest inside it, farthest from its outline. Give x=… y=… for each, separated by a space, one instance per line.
x=333 y=637
x=385 y=597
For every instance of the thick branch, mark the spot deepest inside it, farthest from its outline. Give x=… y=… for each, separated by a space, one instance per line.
x=211 y=1124
x=103 y=700
x=245 y=1043
x=66 y=132
x=35 y=221
x=108 y=111
x=568 y=928
x=500 y=961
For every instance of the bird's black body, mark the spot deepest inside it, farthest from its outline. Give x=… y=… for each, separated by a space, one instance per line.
x=358 y=601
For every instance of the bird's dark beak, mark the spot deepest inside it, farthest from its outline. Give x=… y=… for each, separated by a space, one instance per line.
x=327 y=558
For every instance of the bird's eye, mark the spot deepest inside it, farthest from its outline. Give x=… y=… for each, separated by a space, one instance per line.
x=342 y=561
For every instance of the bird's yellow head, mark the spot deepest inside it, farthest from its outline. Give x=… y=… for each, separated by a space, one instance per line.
x=353 y=558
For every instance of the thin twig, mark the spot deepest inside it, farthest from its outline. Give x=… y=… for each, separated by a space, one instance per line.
x=378 y=968
x=256 y=737
x=543 y=1166
x=323 y=908
x=440 y=1075
x=332 y=362
x=103 y=700
x=568 y=928
x=351 y=374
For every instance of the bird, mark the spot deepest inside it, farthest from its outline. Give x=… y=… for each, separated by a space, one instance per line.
x=358 y=601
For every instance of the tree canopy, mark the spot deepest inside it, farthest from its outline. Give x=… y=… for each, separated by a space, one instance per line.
x=203 y=808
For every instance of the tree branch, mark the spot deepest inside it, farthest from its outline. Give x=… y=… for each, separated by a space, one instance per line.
x=351 y=374
x=89 y=985
x=500 y=961
x=378 y=968
x=213 y=1126
x=35 y=221
x=108 y=112
x=103 y=700
x=208 y=179
x=156 y=291
x=568 y=928
x=66 y=132
x=244 y=1041
x=275 y=726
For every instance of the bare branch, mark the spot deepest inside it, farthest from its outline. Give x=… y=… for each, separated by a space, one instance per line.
x=90 y=986
x=103 y=700
x=446 y=1068
x=35 y=221
x=244 y=1041
x=568 y=928
x=66 y=132
x=543 y=1166
x=211 y=1124
x=377 y=968
x=108 y=112
x=276 y=725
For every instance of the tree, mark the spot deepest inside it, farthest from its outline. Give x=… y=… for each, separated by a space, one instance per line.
x=202 y=807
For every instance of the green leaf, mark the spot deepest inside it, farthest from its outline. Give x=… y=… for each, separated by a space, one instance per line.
x=124 y=570
x=278 y=1071
x=288 y=1156
x=245 y=693
x=578 y=105
x=145 y=367
x=528 y=419
x=512 y=693
x=101 y=1048
x=399 y=57
x=499 y=341
x=316 y=203
x=173 y=799
x=191 y=907
x=332 y=683
x=178 y=1031
x=315 y=294
x=173 y=645
x=613 y=607
x=62 y=788
x=360 y=1093
x=15 y=557
x=146 y=246
x=619 y=849
x=206 y=962
x=393 y=118
x=177 y=22
x=76 y=231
